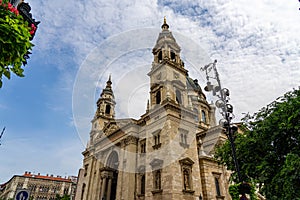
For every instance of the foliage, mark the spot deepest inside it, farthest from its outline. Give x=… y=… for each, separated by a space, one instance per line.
x=64 y=197
x=235 y=191
x=14 y=41
x=268 y=151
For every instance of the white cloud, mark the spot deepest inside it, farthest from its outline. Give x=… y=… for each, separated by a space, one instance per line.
x=256 y=44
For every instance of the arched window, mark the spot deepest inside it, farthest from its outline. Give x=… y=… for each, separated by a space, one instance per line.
x=107 y=109
x=159 y=56
x=203 y=116
x=178 y=97
x=173 y=56
x=158 y=97
x=113 y=160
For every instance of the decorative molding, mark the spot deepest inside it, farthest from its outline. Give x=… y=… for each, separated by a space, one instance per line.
x=110 y=129
x=156 y=132
x=184 y=145
x=142 y=169
x=157 y=191
x=189 y=191
x=176 y=75
x=186 y=161
x=131 y=140
x=156 y=146
x=158 y=76
x=156 y=164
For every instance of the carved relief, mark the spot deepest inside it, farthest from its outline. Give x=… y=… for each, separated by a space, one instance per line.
x=111 y=128
x=130 y=140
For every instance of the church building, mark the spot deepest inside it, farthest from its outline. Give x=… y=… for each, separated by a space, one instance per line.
x=166 y=154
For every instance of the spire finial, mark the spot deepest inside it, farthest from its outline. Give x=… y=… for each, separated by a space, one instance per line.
x=108 y=83
x=165 y=26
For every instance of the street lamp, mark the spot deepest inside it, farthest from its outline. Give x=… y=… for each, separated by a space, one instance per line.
x=2 y=134
x=226 y=109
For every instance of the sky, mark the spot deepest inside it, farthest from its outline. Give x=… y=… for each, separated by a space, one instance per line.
x=79 y=44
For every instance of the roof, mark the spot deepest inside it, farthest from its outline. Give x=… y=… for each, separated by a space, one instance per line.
x=52 y=178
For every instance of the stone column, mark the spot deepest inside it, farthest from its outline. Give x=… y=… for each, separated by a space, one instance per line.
x=109 y=188
x=103 y=188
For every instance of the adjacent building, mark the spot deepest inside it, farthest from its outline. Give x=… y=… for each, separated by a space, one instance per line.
x=40 y=187
x=167 y=152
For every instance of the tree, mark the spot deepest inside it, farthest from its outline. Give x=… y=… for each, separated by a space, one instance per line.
x=64 y=197
x=268 y=151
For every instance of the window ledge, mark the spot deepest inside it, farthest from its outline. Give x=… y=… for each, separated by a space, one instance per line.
x=156 y=146
x=184 y=145
x=188 y=191
x=157 y=191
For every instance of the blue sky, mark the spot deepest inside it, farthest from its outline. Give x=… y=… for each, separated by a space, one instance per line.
x=256 y=44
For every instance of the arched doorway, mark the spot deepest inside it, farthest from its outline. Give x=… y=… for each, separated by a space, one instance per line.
x=112 y=166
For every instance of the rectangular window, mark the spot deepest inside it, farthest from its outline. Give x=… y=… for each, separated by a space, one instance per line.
x=217 y=179
x=143 y=146
x=85 y=169
x=187 y=178
x=183 y=134
x=217 y=184
x=156 y=139
x=157 y=179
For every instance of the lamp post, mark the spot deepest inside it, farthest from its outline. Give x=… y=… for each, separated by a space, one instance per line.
x=224 y=106
x=2 y=134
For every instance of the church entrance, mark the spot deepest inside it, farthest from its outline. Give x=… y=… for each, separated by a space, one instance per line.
x=109 y=177
x=114 y=185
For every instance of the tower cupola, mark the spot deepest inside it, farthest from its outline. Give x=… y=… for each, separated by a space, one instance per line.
x=106 y=103
x=166 y=47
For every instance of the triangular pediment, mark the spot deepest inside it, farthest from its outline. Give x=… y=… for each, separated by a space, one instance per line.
x=110 y=127
x=186 y=161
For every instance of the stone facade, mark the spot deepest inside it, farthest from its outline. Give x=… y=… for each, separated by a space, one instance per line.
x=40 y=187
x=167 y=153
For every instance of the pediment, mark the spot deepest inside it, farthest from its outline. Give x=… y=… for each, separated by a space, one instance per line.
x=109 y=128
x=186 y=161
x=156 y=163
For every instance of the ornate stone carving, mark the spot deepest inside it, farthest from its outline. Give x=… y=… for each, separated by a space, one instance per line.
x=130 y=140
x=110 y=129
x=156 y=164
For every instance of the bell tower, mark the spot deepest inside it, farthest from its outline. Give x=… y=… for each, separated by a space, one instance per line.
x=171 y=125
x=167 y=75
x=105 y=107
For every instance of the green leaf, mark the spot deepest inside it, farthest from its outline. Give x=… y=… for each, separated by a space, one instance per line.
x=7 y=73
x=268 y=151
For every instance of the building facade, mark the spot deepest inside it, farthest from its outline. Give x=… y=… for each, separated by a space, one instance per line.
x=167 y=153
x=39 y=187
